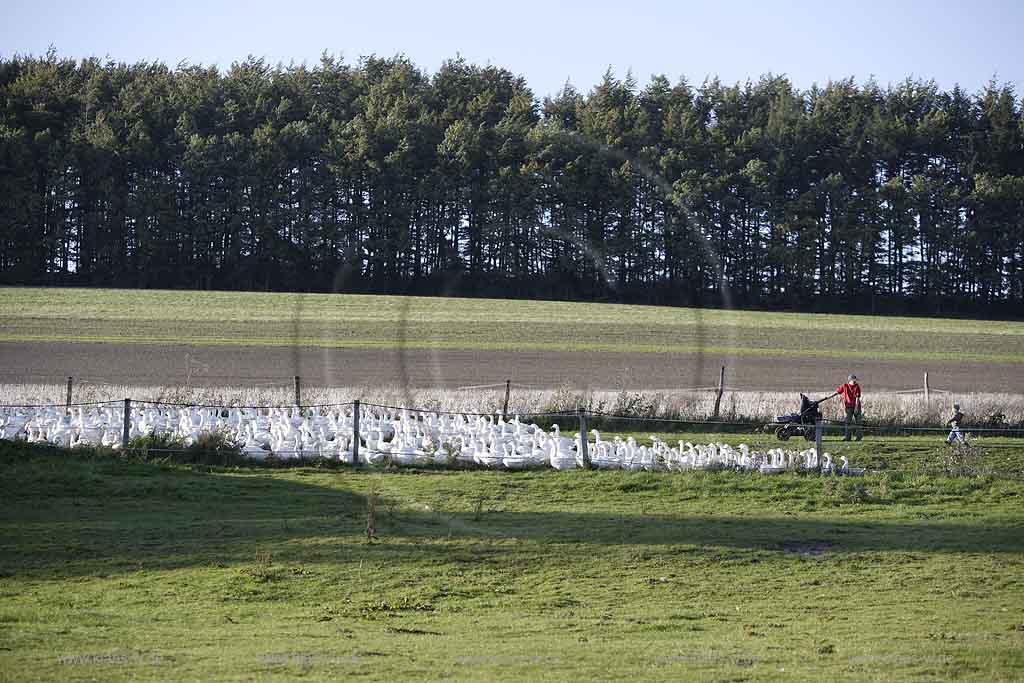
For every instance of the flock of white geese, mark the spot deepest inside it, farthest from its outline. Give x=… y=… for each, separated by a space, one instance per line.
x=395 y=436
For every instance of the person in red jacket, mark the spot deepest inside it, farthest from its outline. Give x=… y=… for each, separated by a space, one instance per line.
x=851 y=401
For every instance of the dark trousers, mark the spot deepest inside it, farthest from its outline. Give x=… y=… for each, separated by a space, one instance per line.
x=855 y=417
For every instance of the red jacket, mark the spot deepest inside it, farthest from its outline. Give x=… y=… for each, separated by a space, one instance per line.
x=850 y=394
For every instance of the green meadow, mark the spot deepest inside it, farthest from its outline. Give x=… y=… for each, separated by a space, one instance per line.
x=365 y=321
x=115 y=569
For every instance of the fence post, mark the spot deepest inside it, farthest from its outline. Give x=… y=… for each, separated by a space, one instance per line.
x=508 y=390
x=584 y=451
x=818 y=429
x=721 y=388
x=67 y=404
x=355 y=432
x=127 y=423
x=298 y=392
x=927 y=390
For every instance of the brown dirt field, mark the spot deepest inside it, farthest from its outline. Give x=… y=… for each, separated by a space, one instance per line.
x=144 y=364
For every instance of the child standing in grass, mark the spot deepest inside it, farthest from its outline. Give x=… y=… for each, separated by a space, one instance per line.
x=954 y=422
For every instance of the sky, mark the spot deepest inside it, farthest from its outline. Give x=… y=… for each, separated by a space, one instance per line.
x=551 y=43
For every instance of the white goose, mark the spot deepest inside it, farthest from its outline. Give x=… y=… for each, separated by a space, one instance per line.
x=846 y=470
x=409 y=439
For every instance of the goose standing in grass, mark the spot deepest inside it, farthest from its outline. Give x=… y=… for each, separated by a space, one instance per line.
x=467 y=450
x=31 y=433
x=565 y=444
x=109 y=439
x=560 y=459
x=774 y=462
x=90 y=431
x=13 y=425
x=540 y=448
x=61 y=433
x=493 y=452
x=441 y=454
x=810 y=459
x=745 y=462
x=340 y=448
x=846 y=470
x=253 y=448
x=603 y=454
x=513 y=460
x=403 y=452
x=376 y=449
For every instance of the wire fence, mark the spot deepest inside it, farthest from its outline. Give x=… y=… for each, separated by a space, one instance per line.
x=352 y=446
x=591 y=414
x=830 y=425
x=584 y=415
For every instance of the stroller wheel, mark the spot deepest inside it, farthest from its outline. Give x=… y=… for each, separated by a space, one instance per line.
x=808 y=434
x=782 y=433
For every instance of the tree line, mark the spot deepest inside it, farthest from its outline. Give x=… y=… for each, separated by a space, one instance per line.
x=379 y=177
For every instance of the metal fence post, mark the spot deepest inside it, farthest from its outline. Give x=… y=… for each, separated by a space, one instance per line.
x=584 y=450
x=355 y=432
x=127 y=423
x=818 y=429
x=298 y=391
x=67 y=403
x=927 y=390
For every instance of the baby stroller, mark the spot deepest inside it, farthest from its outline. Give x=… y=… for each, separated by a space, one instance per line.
x=798 y=423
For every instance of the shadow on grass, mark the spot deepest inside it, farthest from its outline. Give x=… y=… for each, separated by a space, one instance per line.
x=65 y=515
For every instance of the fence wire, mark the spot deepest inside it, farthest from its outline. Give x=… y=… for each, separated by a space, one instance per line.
x=828 y=424
x=232 y=406
x=59 y=405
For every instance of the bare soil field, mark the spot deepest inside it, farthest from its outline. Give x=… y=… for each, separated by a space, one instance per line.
x=158 y=364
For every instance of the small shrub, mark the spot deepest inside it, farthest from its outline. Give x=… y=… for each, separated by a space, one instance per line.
x=263 y=570
x=846 y=490
x=963 y=460
x=213 y=448
x=636 y=404
x=155 y=446
x=884 y=488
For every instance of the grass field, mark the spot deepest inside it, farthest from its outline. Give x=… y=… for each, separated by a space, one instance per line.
x=361 y=321
x=114 y=570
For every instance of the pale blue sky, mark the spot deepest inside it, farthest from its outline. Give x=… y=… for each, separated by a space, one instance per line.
x=552 y=42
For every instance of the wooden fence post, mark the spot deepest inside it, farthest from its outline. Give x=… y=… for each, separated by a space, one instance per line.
x=127 y=423
x=721 y=388
x=584 y=450
x=298 y=392
x=927 y=390
x=67 y=404
x=508 y=390
x=355 y=432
